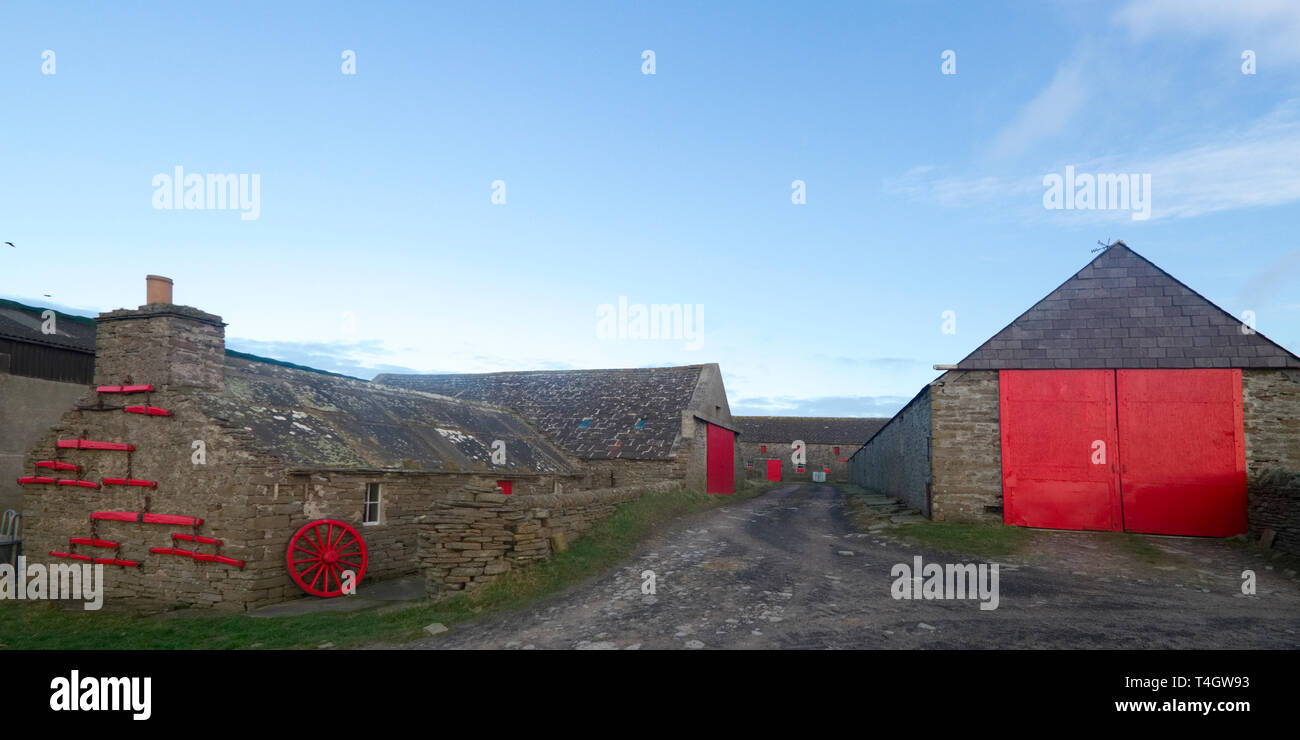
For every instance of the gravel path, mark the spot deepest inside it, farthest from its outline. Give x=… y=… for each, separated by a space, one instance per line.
x=786 y=570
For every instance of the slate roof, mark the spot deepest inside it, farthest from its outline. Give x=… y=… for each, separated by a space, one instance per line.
x=611 y=402
x=23 y=323
x=311 y=420
x=1121 y=311
x=811 y=429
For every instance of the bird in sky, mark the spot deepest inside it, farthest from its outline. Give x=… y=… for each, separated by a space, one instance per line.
x=11 y=244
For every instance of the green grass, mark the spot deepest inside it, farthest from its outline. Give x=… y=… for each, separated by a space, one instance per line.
x=1138 y=547
x=988 y=540
x=46 y=626
x=981 y=540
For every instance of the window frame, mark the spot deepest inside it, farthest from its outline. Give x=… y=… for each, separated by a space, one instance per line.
x=378 y=503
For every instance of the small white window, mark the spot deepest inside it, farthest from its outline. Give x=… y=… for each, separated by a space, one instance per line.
x=372 y=508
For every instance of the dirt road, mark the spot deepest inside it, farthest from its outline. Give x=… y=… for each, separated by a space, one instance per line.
x=786 y=570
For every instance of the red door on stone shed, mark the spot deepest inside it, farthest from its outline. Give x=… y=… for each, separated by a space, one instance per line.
x=1184 y=451
x=774 y=470
x=1056 y=425
x=721 y=460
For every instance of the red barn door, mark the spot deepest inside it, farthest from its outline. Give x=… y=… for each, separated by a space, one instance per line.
x=1059 y=449
x=721 y=460
x=774 y=470
x=1184 y=456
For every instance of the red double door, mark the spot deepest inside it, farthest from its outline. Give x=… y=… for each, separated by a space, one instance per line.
x=1156 y=451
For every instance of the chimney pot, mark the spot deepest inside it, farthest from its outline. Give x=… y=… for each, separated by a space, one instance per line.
x=158 y=289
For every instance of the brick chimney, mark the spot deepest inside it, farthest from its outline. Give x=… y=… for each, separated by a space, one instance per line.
x=160 y=343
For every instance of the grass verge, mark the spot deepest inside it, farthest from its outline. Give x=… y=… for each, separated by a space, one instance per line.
x=986 y=540
x=961 y=538
x=47 y=626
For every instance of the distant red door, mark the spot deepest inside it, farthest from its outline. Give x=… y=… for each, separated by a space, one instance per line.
x=1058 y=449
x=774 y=470
x=721 y=460
x=1184 y=453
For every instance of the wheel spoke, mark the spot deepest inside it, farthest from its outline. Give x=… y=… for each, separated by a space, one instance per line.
x=318 y=575
x=316 y=531
x=307 y=537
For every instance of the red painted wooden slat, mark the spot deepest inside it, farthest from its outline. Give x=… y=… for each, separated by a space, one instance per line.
x=93 y=542
x=28 y=479
x=116 y=561
x=195 y=538
x=57 y=465
x=87 y=444
x=124 y=388
x=148 y=410
x=78 y=483
x=130 y=482
x=140 y=516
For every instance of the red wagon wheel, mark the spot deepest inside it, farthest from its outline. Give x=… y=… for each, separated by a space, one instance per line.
x=320 y=552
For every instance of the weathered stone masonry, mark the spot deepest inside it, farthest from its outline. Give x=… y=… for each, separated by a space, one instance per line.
x=477 y=533
x=1271 y=416
x=896 y=461
x=966 y=447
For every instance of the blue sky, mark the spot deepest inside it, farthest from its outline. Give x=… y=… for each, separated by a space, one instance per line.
x=377 y=246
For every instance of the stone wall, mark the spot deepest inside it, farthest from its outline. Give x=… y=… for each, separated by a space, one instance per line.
x=28 y=408
x=966 y=447
x=478 y=533
x=618 y=473
x=1271 y=417
x=214 y=491
x=896 y=462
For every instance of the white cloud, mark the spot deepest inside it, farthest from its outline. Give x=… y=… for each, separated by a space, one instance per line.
x=1266 y=26
x=1255 y=168
x=1050 y=112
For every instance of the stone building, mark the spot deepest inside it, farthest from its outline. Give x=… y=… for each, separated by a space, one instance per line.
x=771 y=446
x=628 y=426
x=1123 y=400
x=46 y=359
x=188 y=470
